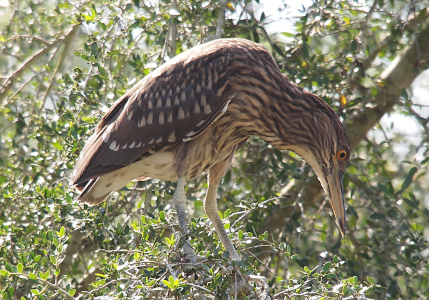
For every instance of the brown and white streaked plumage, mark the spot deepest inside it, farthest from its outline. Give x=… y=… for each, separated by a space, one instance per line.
x=190 y=115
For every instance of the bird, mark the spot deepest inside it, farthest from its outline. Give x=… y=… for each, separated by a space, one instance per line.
x=189 y=116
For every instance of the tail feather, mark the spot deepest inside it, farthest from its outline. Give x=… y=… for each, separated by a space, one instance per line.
x=88 y=196
x=98 y=189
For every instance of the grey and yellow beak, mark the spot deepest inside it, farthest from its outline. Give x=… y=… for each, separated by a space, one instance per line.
x=336 y=195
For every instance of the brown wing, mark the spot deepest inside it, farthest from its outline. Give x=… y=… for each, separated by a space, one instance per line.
x=174 y=104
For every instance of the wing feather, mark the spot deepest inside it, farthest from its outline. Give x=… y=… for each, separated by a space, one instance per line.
x=175 y=103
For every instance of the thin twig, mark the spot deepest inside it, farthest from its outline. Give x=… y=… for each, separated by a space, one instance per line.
x=7 y=84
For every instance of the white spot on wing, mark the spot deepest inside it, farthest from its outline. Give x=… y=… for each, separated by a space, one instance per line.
x=113 y=146
x=159 y=103
x=176 y=100
x=189 y=136
x=132 y=145
x=161 y=118
x=224 y=109
x=207 y=109
x=170 y=117
x=172 y=137
x=125 y=146
x=197 y=109
x=149 y=104
x=181 y=114
x=183 y=96
x=142 y=122
x=158 y=141
x=130 y=115
x=150 y=118
x=151 y=142
x=168 y=103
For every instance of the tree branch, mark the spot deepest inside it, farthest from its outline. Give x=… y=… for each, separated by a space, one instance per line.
x=7 y=84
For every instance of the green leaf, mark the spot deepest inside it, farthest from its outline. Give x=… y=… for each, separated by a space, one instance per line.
x=57 y=145
x=162 y=216
x=370 y=279
x=72 y=292
x=32 y=276
x=4 y=273
x=411 y=203
x=167 y=284
x=376 y=216
x=62 y=232
x=384 y=189
x=326 y=267
x=102 y=71
x=287 y=34
x=354 y=45
x=35 y=292
x=20 y=268
x=409 y=179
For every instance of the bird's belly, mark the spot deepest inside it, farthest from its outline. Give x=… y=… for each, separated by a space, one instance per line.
x=159 y=166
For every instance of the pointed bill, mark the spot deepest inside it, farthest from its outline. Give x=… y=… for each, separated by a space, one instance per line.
x=336 y=195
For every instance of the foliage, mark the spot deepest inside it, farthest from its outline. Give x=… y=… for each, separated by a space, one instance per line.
x=64 y=63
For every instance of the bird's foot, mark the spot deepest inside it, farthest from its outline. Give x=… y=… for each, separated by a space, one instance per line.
x=241 y=285
x=189 y=253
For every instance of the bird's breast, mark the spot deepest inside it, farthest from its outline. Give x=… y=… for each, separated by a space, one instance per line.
x=192 y=158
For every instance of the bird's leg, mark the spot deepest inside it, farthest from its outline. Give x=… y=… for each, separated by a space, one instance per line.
x=210 y=206
x=179 y=200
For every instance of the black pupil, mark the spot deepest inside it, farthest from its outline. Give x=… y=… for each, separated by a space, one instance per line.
x=342 y=154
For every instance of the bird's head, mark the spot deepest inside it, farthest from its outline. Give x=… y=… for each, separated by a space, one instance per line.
x=326 y=148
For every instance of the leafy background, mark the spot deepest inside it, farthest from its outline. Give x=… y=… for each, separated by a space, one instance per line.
x=63 y=64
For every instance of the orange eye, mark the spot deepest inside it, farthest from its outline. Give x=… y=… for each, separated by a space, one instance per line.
x=342 y=154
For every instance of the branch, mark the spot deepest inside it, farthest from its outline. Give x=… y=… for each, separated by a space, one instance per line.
x=51 y=285
x=7 y=84
x=173 y=33
x=220 y=23
x=67 y=45
x=398 y=75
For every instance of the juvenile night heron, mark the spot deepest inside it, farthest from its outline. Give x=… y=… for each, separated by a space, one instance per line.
x=191 y=114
